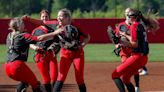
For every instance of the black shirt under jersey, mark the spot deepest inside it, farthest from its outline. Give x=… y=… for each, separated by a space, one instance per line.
x=18 y=46
x=143 y=46
x=40 y=31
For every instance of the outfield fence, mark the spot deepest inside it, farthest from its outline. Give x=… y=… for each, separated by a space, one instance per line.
x=95 y=27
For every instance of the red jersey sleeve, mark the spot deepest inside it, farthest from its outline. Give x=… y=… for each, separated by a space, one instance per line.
x=30 y=38
x=134 y=31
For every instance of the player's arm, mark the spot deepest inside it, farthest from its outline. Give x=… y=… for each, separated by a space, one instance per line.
x=85 y=41
x=51 y=35
x=86 y=38
x=32 y=20
x=34 y=47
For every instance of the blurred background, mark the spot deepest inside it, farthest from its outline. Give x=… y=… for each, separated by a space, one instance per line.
x=80 y=8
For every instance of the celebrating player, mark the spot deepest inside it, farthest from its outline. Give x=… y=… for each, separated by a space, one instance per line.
x=138 y=57
x=17 y=52
x=44 y=57
x=71 y=51
x=126 y=51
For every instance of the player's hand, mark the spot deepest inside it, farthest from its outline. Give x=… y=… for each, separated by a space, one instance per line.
x=40 y=50
x=122 y=33
x=85 y=41
x=82 y=45
x=110 y=28
x=117 y=45
x=59 y=30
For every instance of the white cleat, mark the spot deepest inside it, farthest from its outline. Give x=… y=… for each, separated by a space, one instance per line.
x=137 y=89
x=143 y=72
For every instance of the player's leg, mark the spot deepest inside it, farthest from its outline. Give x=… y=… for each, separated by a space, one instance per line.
x=38 y=88
x=137 y=82
x=22 y=87
x=49 y=71
x=48 y=87
x=118 y=81
x=63 y=70
x=43 y=67
x=29 y=77
x=58 y=86
x=82 y=87
x=130 y=87
x=21 y=72
x=126 y=80
x=53 y=71
x=122 y=69
x=117 y=73
x=119 y=84
x=136 y=79
x=79 y=72
x=9 y=69
x=136 y=76
x=139 y=62
x=53 y=68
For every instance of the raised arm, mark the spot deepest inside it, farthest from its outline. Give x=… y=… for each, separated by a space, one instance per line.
x=51 y=35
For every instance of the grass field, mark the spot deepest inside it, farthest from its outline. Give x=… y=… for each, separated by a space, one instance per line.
x=101 y=52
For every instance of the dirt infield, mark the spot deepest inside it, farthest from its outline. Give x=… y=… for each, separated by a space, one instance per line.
x=97 y=78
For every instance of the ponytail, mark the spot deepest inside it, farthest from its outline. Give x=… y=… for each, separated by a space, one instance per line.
x=151 y=24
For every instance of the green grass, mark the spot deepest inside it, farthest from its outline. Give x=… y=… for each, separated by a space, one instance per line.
x=101 y=52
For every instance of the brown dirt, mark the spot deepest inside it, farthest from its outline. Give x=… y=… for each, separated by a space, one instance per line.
x=97 y=78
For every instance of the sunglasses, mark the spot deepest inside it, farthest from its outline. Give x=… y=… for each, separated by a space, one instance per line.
x=131 y=15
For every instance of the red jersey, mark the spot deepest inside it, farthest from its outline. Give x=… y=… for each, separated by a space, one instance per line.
x=123 y=26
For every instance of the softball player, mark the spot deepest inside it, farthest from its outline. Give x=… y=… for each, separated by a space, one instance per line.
x=71 y=51
x=138 y=57
x=18 y=43
x=45 y=59
x=126 y=51
x=17 y=52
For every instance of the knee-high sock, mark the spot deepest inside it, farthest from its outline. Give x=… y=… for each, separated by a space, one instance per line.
x=22 y=87
x=82 y=88
x=48 y=87
x=136 y=79
x=119 y=84
x=130 y=87
x=58 y=86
